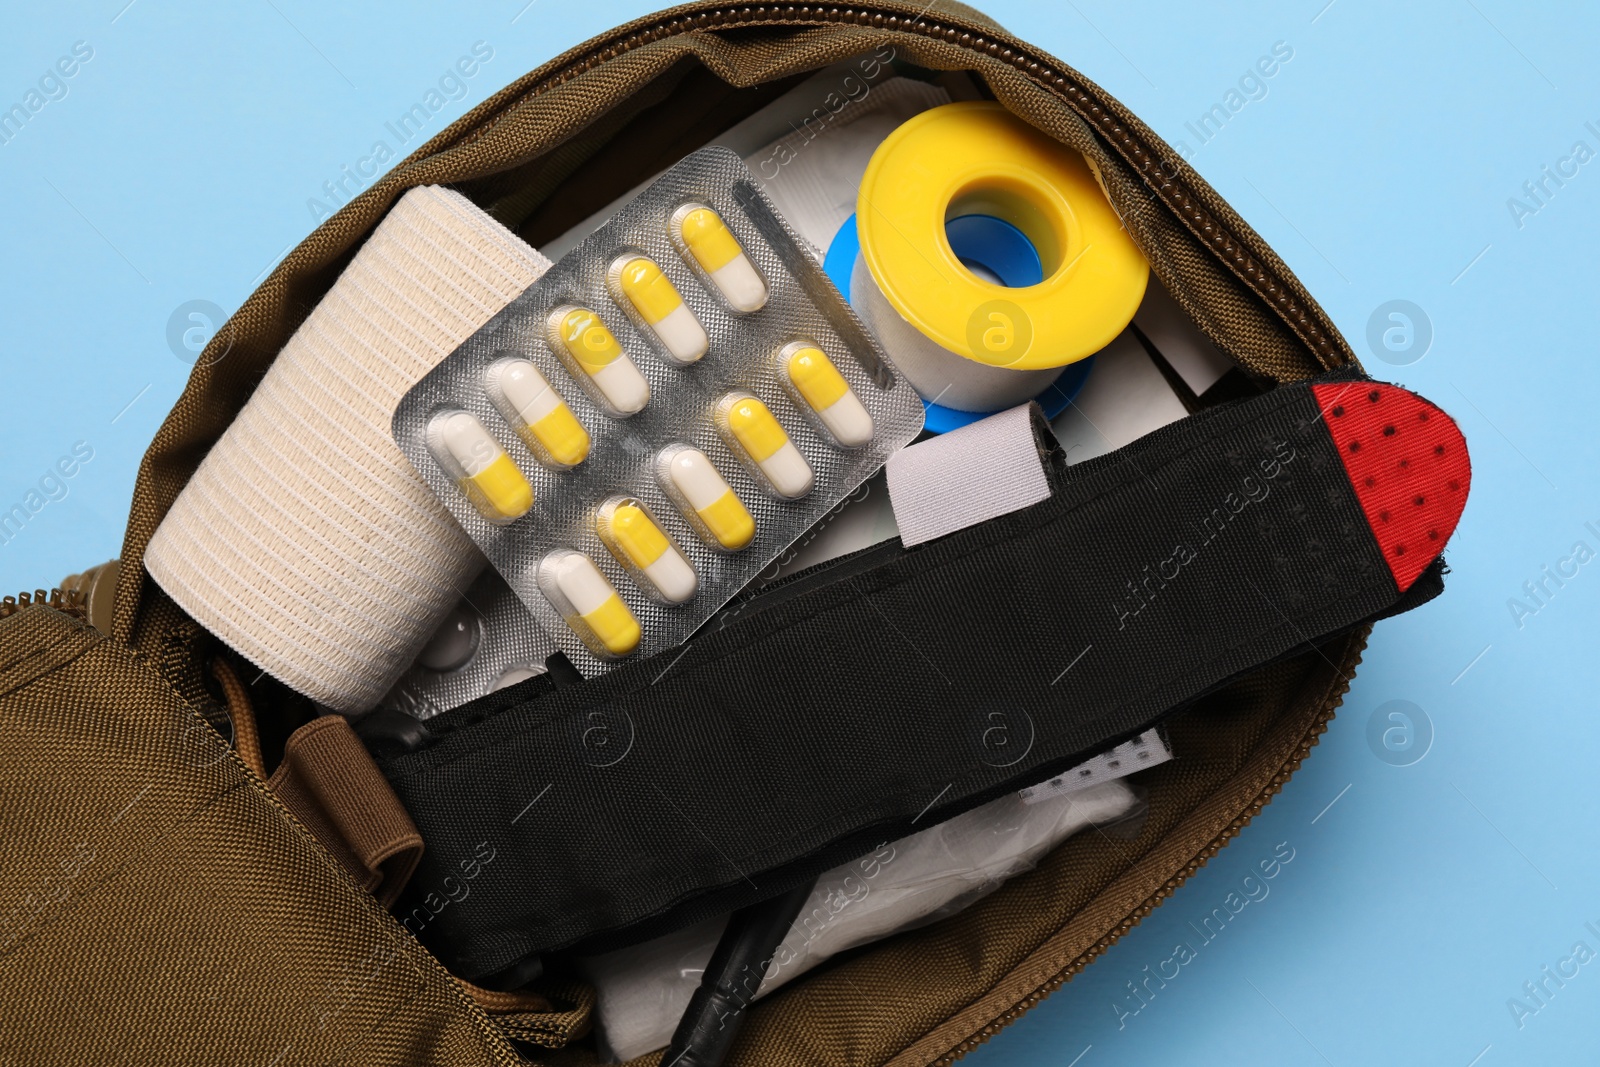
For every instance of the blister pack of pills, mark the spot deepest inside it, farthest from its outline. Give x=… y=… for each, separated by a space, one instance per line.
x=658 y=417
x=485 y=643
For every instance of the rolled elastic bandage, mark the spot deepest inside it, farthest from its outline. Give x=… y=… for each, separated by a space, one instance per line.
x=305 y=540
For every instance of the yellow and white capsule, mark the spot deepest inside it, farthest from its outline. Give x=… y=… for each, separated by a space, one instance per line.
x=707 y=501
x=536 y=411
x=640 y=544
x=637 y=282
x=817 y=382
x=701 y=232
x=588 y=603
x=486 y=475
x=592 y=354
x=751 y=429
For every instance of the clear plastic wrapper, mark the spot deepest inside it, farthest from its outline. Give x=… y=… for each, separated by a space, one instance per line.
x=644 y=989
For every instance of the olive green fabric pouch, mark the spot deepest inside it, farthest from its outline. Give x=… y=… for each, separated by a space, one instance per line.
x=160 y=904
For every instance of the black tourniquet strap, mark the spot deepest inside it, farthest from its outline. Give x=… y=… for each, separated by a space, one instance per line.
x=890 y=690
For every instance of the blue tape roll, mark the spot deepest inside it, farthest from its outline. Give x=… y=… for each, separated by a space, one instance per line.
x=1003 y=251
x=997 y=247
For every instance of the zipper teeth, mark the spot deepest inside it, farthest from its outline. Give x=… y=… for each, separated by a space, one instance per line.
x=68 y=602
x=1179 y=199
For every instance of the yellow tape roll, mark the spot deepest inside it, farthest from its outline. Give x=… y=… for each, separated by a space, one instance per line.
x=976 y=158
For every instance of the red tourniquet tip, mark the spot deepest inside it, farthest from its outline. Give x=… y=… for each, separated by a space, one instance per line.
x=1408 y=464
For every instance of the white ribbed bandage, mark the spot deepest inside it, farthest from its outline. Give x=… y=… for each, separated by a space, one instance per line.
x=967 y=476
x=305 y=540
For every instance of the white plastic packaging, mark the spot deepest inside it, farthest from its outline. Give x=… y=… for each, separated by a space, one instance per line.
x=644 y=989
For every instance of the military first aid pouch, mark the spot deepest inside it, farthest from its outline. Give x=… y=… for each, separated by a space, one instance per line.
x=99 y=721
x=656 y=419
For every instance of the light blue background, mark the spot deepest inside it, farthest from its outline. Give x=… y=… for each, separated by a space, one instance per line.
x=1379 y=163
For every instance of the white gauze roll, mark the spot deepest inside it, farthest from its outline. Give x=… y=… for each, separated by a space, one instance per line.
x=305 y=540
x=941 y=376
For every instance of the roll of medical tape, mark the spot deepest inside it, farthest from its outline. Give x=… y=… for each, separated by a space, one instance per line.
x=976 y=158
x=939 y=375
x=952 y=202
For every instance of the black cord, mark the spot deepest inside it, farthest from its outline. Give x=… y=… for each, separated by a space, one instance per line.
x=733 y=977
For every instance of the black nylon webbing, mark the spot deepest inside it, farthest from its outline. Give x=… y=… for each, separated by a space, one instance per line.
x=888 y=691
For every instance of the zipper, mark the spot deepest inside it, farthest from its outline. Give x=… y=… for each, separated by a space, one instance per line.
x=69 y=602
x=1288 y=302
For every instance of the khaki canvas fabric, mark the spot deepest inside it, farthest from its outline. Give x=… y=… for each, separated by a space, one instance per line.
x=329 y=782
x=165 y=907
x=162 y=907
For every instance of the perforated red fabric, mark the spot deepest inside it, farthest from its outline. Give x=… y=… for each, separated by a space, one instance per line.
x=1408 y=463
